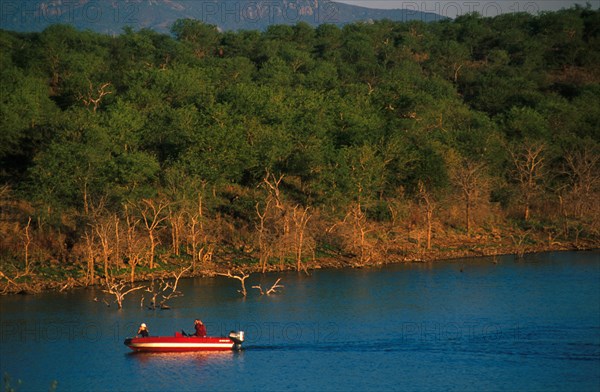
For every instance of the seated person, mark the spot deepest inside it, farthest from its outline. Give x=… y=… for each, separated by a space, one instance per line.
x=200 y=329
x=143 y=331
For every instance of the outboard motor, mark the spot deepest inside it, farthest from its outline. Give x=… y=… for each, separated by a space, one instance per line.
x=238 y=339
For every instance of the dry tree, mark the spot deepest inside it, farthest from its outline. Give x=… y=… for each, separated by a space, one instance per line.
x=241 y=276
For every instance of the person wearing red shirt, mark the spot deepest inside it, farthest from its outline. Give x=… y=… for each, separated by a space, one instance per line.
x=200 y=329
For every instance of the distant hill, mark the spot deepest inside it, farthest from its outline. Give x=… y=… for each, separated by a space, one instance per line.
x=110 y=16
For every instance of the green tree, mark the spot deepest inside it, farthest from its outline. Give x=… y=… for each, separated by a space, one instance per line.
x=26 y=112
x=202 y=38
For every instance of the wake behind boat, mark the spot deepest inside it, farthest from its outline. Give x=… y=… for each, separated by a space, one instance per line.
x=180 y=343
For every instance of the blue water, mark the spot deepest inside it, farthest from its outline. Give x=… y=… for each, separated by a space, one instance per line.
x=531 y=324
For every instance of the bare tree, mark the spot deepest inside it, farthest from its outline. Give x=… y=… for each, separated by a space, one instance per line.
x=356 y=221
x=528 y=171
x=91 y=256
x=467 y=175
x=195 y=232
x=119 y=289
x=519 y=239
x=154 y=291
x=196 y=238
x=152 y=215
x=281 y=218
x=13 y=286
x=428 y=201
x=172 y=287
x=270 y=291
x=241 y=276
x=5 y=191
x=300 y=218
x=264 y=246
x=272 y=183
x=166 y=289
x=177 y=223
x=564 y=212
x=103 y=228
x=581 y=168
x=135 y=246
x=117 y=237
x=26 y=244
x=99 y=238
x=94 y=95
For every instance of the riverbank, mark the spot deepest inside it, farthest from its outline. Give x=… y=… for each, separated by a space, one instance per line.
x=57 y=277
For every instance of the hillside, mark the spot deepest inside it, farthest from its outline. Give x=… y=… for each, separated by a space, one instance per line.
x=107 y=16
x=296 y=147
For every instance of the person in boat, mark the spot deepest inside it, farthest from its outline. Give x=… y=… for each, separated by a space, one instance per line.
x=200 y=329
x=143 y=331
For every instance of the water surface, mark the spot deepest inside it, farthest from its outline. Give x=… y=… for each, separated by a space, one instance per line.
x=531 y=324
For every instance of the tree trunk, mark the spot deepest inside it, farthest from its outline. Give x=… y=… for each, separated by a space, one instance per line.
x=194 y=239
x=468 y=214
x=90 y=263
x=132 y=265
x=27 y=243
x=152 y=248
x=429 y=216
x=299 y=251
x=117 y=241
x=429 y=202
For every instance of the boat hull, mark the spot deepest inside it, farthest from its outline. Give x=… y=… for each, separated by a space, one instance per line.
x=179 y=343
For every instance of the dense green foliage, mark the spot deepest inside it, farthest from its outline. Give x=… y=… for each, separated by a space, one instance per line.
x=359 y=114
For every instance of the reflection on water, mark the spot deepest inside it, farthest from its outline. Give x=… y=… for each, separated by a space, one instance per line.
x=460 y=325
x=177 y=358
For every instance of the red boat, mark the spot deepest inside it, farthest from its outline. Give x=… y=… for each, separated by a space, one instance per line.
x=181 y=342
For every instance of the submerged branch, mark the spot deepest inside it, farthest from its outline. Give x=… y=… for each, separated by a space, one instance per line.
x=270 y=291
x=241 y=277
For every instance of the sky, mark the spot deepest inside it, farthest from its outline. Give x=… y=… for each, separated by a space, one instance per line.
x=452 y=8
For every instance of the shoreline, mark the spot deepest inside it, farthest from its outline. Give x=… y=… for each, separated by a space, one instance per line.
x=39 y=285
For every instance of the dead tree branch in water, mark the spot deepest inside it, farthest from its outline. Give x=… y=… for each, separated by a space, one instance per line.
x=173 y=287
x=270 y=291
x=241 y=277
x=18 y=287
x=117 y=288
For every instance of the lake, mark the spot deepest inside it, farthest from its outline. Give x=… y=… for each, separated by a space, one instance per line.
x=470 y=324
